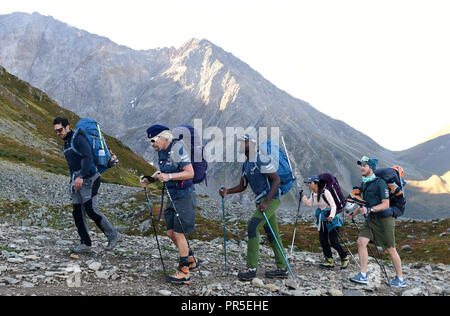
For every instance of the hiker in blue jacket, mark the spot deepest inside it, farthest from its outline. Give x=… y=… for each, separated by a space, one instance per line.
x=84 y=185
x=260 y=173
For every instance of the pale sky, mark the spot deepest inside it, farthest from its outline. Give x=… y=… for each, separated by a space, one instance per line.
x=382 y=66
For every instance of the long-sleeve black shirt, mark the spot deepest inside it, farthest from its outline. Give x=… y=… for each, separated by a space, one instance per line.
x=76 y=162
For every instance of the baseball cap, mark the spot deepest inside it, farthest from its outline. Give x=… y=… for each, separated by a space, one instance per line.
x=371 y=162
x=312 y=179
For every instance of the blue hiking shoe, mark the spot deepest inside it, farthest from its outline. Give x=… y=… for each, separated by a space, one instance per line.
x=360 y=279
x=397 y=282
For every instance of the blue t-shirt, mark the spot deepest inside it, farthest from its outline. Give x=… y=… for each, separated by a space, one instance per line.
x=256 y=172
x=173 y=160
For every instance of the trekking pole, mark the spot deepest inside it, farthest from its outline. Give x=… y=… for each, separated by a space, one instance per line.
x=182 y=228
x=224 y=231
x=297 y=190
x=343 y=242
x=296 y=221
x=279 y=246
x=382 y=267
x=162 y=202
x=154 y=229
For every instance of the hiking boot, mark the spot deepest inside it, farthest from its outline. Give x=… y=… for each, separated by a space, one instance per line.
x=247 y=275
x=81 y=248
x=194 y=265
x=397 y=282
x=344 y=263
x=277 y=274
x=180 y=277
x=328 y=264
x=360 y=278
x=113 y=242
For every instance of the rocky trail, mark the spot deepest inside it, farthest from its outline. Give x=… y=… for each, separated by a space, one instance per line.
x=36 y=229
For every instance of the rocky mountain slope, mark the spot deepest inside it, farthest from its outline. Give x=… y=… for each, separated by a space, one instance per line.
x=128 y=90
x=27 y=135
x=36 y=229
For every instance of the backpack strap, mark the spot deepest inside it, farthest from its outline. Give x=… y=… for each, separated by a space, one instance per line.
x=72 y=141
x=325 y=199
x=365 y=186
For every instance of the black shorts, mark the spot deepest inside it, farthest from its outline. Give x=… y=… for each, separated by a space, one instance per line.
x=185 y=206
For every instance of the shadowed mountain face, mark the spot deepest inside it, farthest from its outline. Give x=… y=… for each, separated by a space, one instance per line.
x=432 y=156
x=128 y=90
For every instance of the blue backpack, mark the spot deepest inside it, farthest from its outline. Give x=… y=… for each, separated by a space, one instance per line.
x=91 y=130
x=271 y=148
x=199 y=164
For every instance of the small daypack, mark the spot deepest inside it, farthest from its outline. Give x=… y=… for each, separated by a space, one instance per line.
x=332 y=185
x=199 y=164
x=394 y=178
x=277 y=155
x=91 y=130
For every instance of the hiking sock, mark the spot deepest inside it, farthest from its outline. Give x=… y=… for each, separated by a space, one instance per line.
x=184 y=261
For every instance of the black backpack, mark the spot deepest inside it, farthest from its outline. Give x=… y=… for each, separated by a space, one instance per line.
x=395 y=182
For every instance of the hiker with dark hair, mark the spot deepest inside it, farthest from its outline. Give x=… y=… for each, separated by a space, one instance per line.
x=84 y=185
x=327 y=220
x=176 y=172
x=378 y=229
x=260 y=172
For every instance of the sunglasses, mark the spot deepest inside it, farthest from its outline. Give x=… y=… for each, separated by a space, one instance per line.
x=154 y=140
x=365 y=159
x=59 y=130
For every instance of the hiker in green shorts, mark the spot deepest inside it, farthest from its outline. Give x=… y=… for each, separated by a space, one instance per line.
x=378 y=229
x=261 y=174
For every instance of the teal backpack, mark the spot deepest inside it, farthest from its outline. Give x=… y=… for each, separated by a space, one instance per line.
x=91 y=130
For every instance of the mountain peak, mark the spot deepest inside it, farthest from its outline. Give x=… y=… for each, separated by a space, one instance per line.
x=195 y=42
x=441 y=132
x=434 y=184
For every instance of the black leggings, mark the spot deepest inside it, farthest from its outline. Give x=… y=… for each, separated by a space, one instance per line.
x=332 y=236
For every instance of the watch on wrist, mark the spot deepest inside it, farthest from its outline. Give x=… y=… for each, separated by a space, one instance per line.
x=170 y=176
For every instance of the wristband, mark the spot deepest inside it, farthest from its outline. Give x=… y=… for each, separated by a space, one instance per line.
x=170 y=176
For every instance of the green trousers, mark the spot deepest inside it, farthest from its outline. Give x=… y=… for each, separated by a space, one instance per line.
x=254 y=226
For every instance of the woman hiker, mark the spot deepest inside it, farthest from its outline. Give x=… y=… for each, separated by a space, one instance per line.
x=327 y=220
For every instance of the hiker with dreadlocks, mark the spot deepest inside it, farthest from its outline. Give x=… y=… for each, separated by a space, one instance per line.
x=84 y=186
x=260 y=172
x=378 y=229
x=327 y=220
x=176 y=172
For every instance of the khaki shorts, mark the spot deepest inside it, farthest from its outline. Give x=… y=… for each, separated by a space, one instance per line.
x=381 y=231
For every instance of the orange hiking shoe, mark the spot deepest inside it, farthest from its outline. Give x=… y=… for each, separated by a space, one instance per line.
x=180 y=277
x=193 y=264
